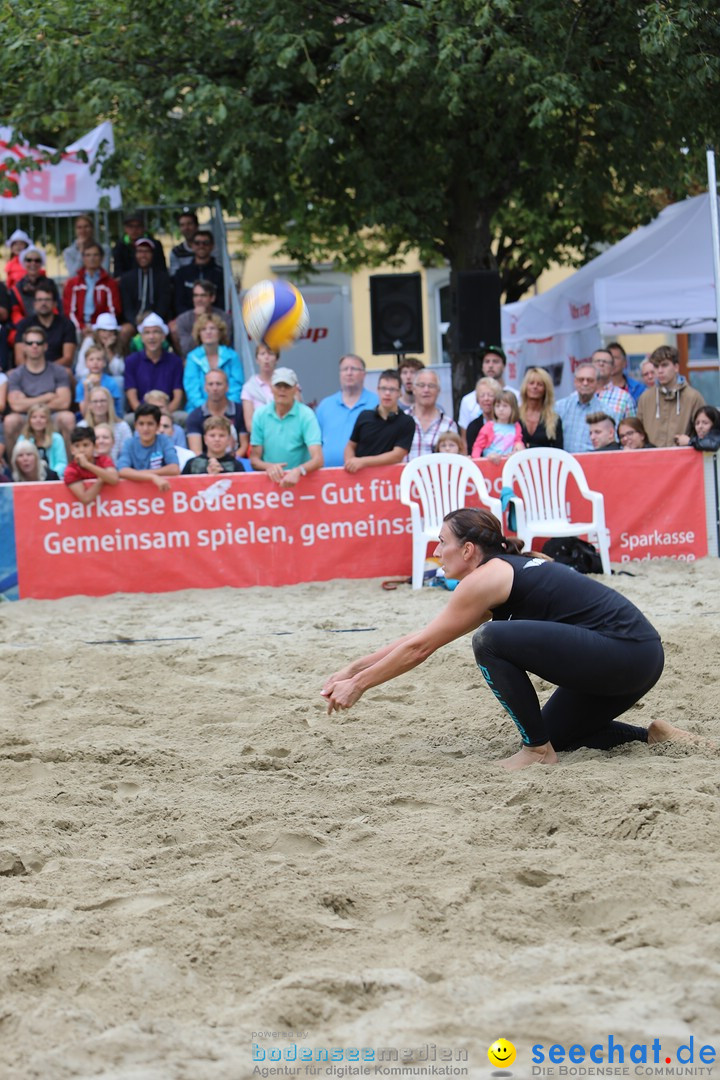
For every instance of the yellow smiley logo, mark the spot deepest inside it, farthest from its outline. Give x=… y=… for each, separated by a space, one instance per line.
x=501 y=1054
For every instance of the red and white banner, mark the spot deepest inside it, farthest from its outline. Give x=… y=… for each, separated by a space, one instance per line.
x=243 y=530
x=63 y=188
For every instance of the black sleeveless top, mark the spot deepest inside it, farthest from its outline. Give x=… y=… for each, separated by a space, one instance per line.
x=551 y=592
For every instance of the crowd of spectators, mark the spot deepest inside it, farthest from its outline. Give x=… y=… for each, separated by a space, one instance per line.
x=129 y=373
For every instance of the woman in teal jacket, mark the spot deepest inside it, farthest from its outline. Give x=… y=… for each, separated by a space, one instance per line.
x=212 y=352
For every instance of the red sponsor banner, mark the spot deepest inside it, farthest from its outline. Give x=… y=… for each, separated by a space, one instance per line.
x=243 y=530
x=654 y=501
x=207 y=532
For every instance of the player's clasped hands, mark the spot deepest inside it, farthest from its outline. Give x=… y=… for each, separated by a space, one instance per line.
x=340 y=693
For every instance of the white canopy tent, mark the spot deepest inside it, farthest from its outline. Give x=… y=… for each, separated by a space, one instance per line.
x=657 y=279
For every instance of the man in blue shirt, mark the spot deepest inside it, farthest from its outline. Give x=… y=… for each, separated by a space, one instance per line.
x=149 y=457
x=573 y=410
x=337 y=413
x=620 y=375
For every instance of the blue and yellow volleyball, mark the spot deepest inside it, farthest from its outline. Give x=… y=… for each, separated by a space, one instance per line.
x=275 y=314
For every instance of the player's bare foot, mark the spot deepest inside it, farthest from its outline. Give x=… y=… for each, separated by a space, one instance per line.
x=530 y=755
x=660 y=731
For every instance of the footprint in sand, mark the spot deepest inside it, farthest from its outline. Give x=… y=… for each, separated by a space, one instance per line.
x=130 y=905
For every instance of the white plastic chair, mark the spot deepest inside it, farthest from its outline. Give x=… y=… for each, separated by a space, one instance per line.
x=432 y=485
x=540 y=477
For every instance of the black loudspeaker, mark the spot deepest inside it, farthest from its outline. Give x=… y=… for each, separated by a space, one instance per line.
x=396 y=315
x=476 y=310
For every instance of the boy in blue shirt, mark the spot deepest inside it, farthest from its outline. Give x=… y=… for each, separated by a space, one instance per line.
x=149 y=457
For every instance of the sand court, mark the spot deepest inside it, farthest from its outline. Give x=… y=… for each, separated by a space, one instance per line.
x=192 y=851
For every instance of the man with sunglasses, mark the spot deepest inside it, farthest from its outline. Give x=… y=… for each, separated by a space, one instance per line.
x=59 y=330
x=203 y=267
x=37 y=382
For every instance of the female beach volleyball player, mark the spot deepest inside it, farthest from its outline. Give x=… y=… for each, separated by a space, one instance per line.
x=593 y=644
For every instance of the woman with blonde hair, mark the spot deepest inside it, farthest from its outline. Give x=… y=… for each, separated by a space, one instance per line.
x=27 y=466
x=40 y=430
x=211 y=354
x=541 y=425
x=101 y=410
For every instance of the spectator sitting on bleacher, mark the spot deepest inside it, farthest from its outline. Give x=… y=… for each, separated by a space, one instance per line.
x=105 y=441
x=124 y=253
x=211 y=354
x=217 y=403
x=22 y=293
x=218 y=456
x=602 y=431
x=202 y=267
x=40 y=429
x=88 y=464
x=97 y=375
x=149 y=457
x=181 y=330
x=37 y=381
x=27 y=466
x=105 y=332
x=101 y=411
x=143 y=288
x=182 y=254
x=84 y=235
x=59 y=330
x=92 y=292
x=17 y=242
x=173 y=431
x=153 y=368
x=257 y=391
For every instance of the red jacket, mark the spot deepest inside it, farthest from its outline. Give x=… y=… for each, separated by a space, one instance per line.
x=107 y=298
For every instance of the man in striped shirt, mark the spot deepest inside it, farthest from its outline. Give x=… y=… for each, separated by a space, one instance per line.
x=431 y=420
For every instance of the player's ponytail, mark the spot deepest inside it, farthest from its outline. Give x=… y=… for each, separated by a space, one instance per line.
x=481 y=528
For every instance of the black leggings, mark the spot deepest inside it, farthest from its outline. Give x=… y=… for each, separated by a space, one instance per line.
x=598 y=678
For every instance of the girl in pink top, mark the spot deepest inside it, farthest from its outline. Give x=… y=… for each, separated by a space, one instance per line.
x=499 y=437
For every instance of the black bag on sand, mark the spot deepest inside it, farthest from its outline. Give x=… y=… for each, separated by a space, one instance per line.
x=572 y=551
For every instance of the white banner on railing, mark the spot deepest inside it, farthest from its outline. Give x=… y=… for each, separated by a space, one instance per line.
x=70 y=185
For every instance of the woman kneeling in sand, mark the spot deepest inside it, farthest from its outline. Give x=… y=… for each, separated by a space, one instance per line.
x=596 y=646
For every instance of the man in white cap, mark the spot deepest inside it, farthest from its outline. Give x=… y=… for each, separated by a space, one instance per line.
x=286 y=441
x=154 y=367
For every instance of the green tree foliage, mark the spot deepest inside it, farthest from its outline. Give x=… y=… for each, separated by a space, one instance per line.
x=485 y=133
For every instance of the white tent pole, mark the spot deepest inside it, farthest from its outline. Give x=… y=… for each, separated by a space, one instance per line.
x=712 y=189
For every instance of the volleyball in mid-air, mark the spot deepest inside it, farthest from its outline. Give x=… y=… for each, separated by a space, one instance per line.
x=275 y=314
